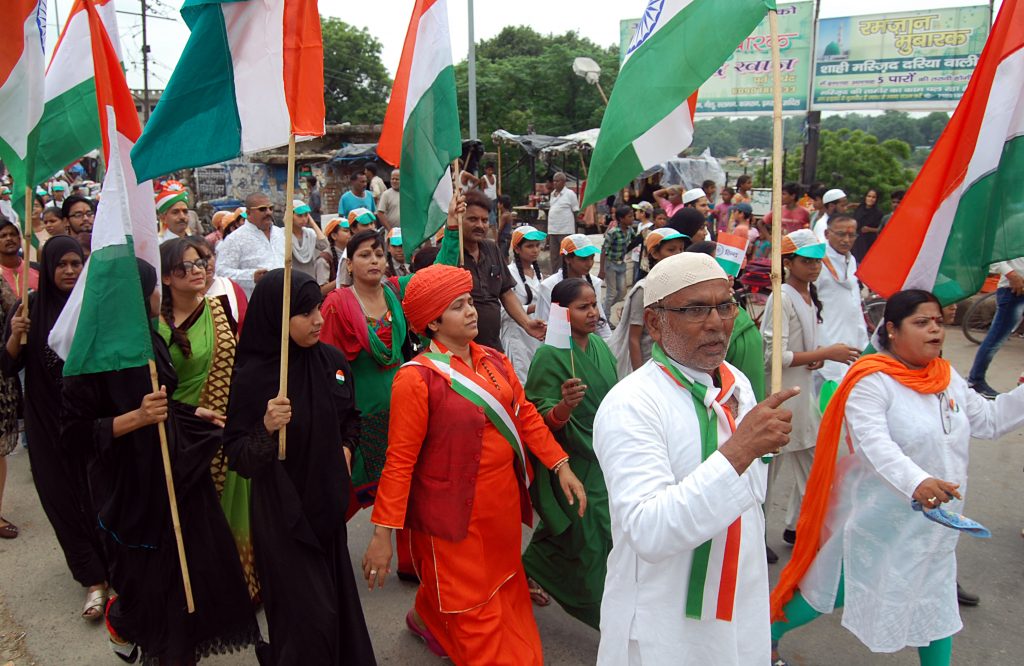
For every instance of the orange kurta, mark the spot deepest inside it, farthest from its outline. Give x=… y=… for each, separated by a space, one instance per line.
x=473 y=594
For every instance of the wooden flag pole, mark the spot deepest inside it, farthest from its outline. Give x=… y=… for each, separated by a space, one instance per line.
x=286 y=297
x=172 y=498
x=777 y=167
x=456 y=180
x=25 y=268
x=499 y=169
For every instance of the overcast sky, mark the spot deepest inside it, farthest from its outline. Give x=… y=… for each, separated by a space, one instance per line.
x=388 y=20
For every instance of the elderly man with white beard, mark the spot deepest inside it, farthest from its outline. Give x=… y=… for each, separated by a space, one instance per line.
x=687 y=578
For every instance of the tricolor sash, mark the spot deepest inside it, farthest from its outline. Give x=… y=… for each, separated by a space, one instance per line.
x=472 y=389
x=709 y=444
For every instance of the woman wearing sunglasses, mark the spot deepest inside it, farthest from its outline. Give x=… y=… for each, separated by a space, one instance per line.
x=201 y=334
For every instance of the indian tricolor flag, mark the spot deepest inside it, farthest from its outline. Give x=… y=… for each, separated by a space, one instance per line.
x=251 y=75
x=965 y=210
x=104 y=325
x=421 y=128
x=730 y=251
x=677 y=46
x=21 y=89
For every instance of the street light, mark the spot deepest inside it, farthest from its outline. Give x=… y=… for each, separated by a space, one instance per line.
x=588 y=69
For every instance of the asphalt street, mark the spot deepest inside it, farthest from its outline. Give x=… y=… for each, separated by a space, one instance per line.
x=40 y=603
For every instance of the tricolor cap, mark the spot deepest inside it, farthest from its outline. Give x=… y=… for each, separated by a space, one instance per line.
x=333 y=223
x=5 y=190
x=678 y=272
x=395 y=236
x=689 y=196
x=171 y=193
x=300 y=207
x=803 y=242
x=659 y=236
x=41 y=191
x=526 y=232
x=579 y=245
x=361 y=216
x=645 y=206
x=832 y=196
x=57 y=187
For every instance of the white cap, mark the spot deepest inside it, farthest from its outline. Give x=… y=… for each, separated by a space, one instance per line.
x=678 y=272
x=692 y=195
x=833 y=196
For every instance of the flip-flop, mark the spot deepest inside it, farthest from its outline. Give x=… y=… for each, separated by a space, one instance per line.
x=952 y=520
x=424 y=634
x=537 y=593
x=9 y=530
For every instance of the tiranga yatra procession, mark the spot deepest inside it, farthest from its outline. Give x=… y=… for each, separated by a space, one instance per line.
x=594 y=402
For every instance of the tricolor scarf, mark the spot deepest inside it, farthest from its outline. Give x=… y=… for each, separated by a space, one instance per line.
x=932 y=379
x=704 y=408
x=473 y=388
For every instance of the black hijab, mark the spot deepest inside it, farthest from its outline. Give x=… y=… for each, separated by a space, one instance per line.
x=315 y=462
x=48 y=301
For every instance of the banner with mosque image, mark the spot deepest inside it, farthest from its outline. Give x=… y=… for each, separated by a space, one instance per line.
x=913 y=61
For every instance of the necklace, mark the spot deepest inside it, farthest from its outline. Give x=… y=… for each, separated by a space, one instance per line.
x=386 y=316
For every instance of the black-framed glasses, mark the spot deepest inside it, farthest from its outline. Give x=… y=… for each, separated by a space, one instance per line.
x=82 y=215
x=185 y=267
x=264 y=209
x=698 y=313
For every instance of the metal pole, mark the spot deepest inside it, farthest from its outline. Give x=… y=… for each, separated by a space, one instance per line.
x=472 y=76
x=145 y=67
x=601 y=90
x=809 y=163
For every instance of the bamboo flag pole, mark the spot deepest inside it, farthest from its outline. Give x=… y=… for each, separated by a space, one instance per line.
x=25 y=269
x=172 y=498
x=456 y=173
x=286 y=298
x=499 y=169
x=777 y=167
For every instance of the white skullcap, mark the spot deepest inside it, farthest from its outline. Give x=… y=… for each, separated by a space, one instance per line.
x=832 y=196
x=678 y=272
x=692 y=195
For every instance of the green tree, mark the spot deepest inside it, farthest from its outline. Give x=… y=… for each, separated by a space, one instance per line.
x=932 y=126
x=356 y=84
x=896 y=125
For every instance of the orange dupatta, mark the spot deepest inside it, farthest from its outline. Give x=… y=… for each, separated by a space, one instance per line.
x=933 y=378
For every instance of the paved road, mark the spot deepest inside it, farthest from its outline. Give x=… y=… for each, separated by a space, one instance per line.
x=39 y=602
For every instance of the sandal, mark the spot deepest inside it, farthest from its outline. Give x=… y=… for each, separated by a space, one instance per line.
x=424 y=634
x=537 y=593
x=95 y=603
x=9 y=530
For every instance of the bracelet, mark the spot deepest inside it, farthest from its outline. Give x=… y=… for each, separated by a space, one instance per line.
x=554 y=417
x=558 y=465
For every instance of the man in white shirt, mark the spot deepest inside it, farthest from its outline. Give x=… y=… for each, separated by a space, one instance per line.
x=254 y=248
x=835 y=204
x=564 y=206
x=1009 y=311
x=842 y=319
x=687 y=577
x=389 y=209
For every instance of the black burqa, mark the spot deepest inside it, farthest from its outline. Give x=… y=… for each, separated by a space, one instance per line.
x=298 y=504
x=59 y=475
x=866 y=216
x=126 y=482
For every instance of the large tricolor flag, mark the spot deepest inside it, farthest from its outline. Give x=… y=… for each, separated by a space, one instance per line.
x=677 y=46
x=104 y=325
x=965 y=210
x=421 y=128
x=21 y=90
x=251 y=75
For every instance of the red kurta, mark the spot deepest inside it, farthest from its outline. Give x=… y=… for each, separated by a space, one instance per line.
x=473 y=594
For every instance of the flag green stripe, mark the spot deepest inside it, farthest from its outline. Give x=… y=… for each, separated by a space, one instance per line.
x=431 y=139
x=196 y=121
x=112 y=332
x=69 y=128
x=664 y=72
x=988 y=227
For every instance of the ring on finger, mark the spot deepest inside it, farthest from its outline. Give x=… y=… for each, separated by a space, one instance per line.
x=933 y=500
x=373 y=572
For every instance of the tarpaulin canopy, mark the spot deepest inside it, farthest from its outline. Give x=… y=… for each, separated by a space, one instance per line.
x=578 y=141
x=532 y=144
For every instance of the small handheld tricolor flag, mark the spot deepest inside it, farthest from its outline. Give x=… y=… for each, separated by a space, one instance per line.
x=559 y=332
x=730 y=250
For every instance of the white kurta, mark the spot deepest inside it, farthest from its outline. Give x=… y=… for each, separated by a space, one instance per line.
x=799 y=334
x=664 y=504
x=248 y=250
x=519 y=345
x=900 y=568
x=842 y=319
x=619 y=341
x=544 y=301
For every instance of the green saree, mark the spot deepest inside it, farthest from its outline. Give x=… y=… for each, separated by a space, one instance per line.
x=567 y=554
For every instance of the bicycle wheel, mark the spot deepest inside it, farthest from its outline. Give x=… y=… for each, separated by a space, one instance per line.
x=978 y=318
x=753 y=303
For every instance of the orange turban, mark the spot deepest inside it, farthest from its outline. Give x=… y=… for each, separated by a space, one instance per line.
x=430 y=292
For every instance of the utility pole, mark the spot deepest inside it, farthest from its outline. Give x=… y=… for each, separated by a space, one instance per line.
x=145 y=67
x=812 y=122
x=472 y=76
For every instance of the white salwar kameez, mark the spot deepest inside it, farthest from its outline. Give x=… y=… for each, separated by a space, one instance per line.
x=519 y=345
x=900 y=568
x=842 y=319
x=544 y=302
x=664 y=504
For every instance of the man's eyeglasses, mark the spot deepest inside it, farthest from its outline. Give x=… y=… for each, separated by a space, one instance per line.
x=81 y=216
x=264 y=209
x=185 y=267
x=843 y=234
x=698 y=313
